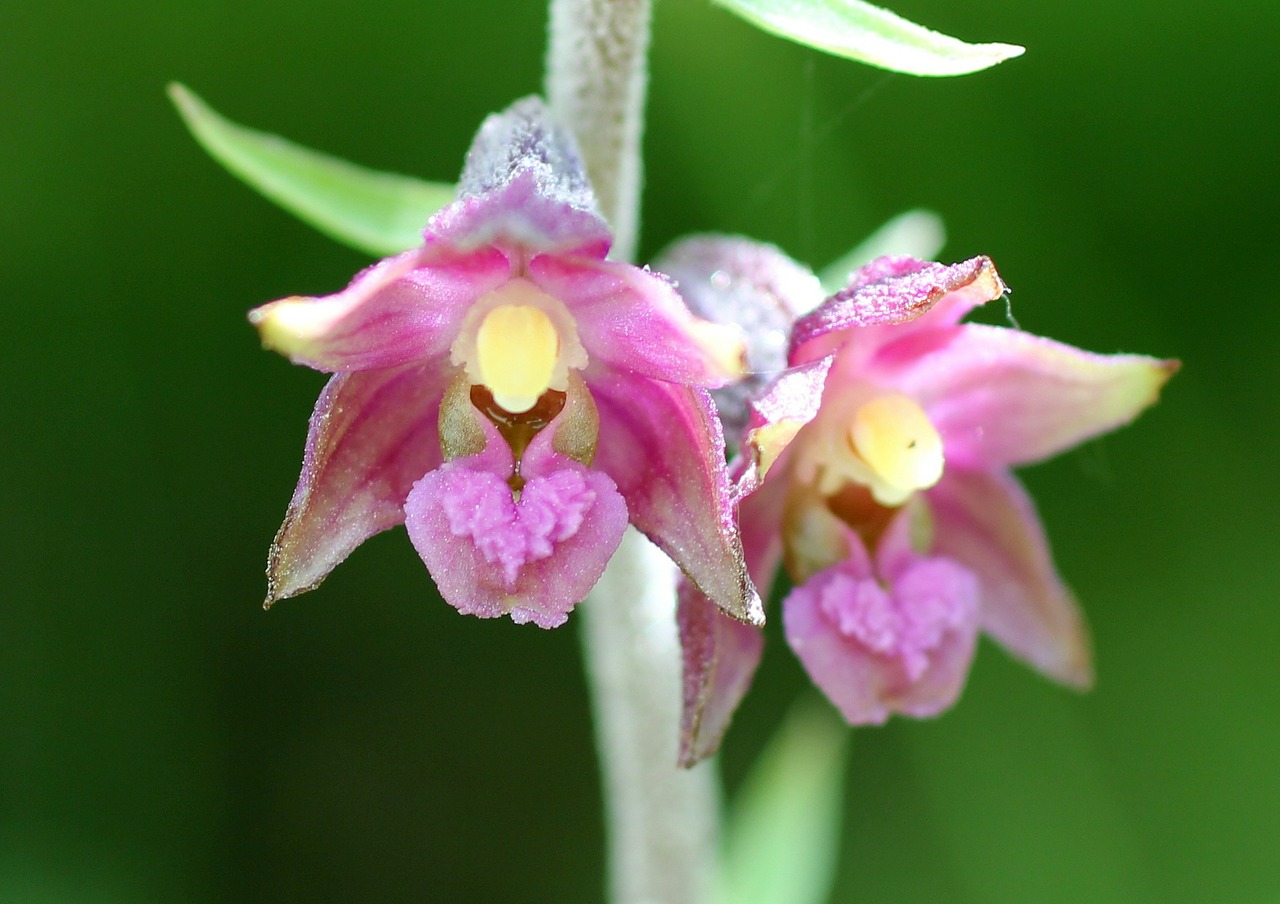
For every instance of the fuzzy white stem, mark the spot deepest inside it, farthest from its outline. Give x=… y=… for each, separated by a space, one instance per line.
x=596 y=79
x=662 y=820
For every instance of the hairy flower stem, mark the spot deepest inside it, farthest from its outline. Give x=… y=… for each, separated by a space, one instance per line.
x=662 y=820
x=597 y=74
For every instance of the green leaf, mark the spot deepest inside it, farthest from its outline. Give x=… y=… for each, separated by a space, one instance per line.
x=870 y=34
x=782 y=835
x=918 y=233
x=379 y=213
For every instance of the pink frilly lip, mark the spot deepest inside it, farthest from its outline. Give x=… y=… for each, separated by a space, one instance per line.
x=894 y=636
x=531 y=556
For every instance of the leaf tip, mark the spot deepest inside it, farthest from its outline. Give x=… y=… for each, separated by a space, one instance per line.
x=1002 y=52
x=195 y=113
x=183 y=98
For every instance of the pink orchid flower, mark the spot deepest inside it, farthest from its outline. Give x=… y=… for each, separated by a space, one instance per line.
x=876 y=470
x=513 y=398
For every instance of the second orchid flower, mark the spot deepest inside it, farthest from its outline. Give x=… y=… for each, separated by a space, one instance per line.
x=876 y=470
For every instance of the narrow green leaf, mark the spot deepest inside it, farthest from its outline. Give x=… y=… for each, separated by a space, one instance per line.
x=379 y=213
x=782 y=835
x=870 y=34
x=918 y=233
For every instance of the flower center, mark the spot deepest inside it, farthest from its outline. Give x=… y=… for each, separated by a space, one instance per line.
x=856 y=469
x=888 y=445
x=518 y=342
x=893 y=436
x=517 y=349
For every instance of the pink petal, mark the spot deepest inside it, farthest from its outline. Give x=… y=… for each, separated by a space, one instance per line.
x=987 y=522
x=372 y=435
x=405 y=308
x=720 y=658
x=533 y=558
x=786 y=405
x=1003 y=397
x=874 y=649
x=663 y=447
x=632 y=320
x=890 y=291
x=795 y=396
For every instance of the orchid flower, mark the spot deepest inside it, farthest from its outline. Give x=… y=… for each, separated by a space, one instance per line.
x=513 y=398
x=876 y=469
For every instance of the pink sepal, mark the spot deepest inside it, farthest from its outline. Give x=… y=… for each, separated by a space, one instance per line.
x=721 y=653
x=794 y=396
x=518 y=216
x=524 y=187
x=720 y=658
x=986 y=521
x=662 y=445
x=372 y=434
x=1004 y=397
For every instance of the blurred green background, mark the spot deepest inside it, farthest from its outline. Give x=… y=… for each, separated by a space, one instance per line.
x=162 y=739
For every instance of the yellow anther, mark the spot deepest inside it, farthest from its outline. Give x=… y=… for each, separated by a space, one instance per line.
x=517 y=349
x=898 y=442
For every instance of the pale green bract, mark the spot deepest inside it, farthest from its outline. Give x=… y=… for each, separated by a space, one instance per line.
x=870 y=34
x=783 y=832
x=371 y=211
